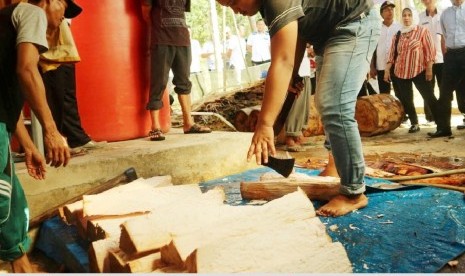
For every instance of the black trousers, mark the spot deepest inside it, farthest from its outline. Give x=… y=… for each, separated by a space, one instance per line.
x=437 y=76
x=453 y=78
x=406 y=95
x=60 y=87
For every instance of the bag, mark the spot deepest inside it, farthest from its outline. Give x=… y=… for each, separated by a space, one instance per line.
x=395 y=52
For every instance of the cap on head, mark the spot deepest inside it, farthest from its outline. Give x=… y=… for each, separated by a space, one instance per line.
x=385 y=5
x=72 y=10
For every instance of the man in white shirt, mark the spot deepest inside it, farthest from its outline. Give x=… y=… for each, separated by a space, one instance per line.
x=235 y=54
x=430 y=19
x=453 y=77
x=389 y=28
x=258 y=44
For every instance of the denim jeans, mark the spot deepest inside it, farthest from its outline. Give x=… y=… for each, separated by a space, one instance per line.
x=340 y=74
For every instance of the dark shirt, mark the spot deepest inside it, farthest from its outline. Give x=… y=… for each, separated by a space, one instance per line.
x=169 y=25
x=317 y=19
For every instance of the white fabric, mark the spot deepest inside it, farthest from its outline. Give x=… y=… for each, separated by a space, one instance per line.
x=260 y=43
x=238 y=48
x=196 y=51
x=433 y=24
x=384 y=44
x=454 y=33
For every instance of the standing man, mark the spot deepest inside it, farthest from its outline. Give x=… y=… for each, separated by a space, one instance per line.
x=389 y=29
x=344 y=35
x=234 y=54
x=169 y=49
x=430 y=19
x=258 y=44
x=453 y=74
x=23 y=32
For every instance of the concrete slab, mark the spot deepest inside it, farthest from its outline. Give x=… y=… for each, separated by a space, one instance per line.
x=191 y=158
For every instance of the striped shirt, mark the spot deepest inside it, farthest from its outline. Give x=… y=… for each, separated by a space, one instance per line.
x=415 y=50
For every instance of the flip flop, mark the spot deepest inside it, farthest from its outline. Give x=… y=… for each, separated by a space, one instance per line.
x=196 y=129
x=156 y=135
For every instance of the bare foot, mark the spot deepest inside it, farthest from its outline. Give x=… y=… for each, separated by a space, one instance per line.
x=22 y=265
x=291 y=141
x=341 y=205
x=330 y=169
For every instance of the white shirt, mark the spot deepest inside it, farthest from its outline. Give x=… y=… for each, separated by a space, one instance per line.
x=260 y=43
x=433 y=25
x=196 y=51
x=453 y=26
x=237 y=47
x=384 y=44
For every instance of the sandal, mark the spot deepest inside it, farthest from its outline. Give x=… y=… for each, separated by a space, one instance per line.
x=156 y=135
x=195 y=128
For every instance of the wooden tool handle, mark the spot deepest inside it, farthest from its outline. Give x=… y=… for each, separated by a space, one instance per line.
x=423 y=176
x=443 y=186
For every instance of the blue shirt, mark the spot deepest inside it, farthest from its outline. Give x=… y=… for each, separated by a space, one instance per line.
x=453 y=26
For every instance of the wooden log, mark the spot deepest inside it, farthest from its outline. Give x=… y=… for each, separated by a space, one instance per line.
x=378 y=114
x=236 y=221
x=151 y=232
x=253 y=118
x=317 y=188
x=140 y=199
x=241 y=119
x=120 y=262
x=295 y=247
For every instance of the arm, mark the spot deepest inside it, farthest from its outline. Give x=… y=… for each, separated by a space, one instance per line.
x=390 y=61
x=35 y=162
x=283 y=55
x=34 y=93
x=429 y=52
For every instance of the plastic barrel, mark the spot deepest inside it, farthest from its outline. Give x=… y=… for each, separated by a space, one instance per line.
x=113 y=76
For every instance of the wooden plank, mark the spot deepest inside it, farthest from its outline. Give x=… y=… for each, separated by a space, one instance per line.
x=121 y=262
x=316 y=188
x=151 y=232
x=99 y=255
x=296 y=247
x=74 y=211
x=140 y=199
x=106 y=227
x=237 y=222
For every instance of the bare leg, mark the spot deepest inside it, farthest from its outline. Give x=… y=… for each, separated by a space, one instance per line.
x=187 y=120
x=155 y=117
x=330 y=169
x=341 y=205
x=22 y=265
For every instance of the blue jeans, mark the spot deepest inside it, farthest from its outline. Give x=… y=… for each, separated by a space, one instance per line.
x=340 y=74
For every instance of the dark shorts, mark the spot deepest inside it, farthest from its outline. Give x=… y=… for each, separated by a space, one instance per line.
x=164 y=58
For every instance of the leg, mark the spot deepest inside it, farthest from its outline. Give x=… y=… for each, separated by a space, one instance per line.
x=54 y=82
x=451 y=77
x=72 y=128
x=406 y=98
x=426 y=90
x=160 y=63
x=460 y=96
x=343 y=68
x=181 y=65
x=298 y=116
x=384 y=87
x=14 y=212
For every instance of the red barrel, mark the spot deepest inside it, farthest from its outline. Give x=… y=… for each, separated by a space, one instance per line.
x=113 y=75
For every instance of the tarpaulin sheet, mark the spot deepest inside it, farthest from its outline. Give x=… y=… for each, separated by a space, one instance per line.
x=400 y=231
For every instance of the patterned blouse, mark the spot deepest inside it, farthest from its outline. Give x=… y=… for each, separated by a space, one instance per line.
x=415 y=50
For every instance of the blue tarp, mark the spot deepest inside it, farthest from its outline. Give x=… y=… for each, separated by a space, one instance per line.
x=401 y=231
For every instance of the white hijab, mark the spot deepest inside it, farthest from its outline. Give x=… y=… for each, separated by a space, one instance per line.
x=406 y=29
